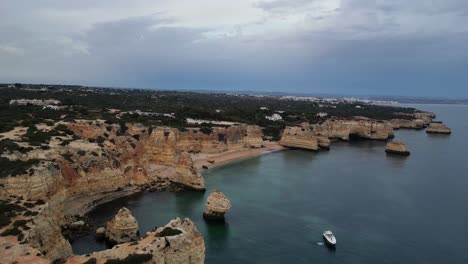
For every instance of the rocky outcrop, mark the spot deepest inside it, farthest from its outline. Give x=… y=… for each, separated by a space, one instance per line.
x=349 y=129
x=408 y=124
x=418 y=120
x=178 y=242
x=299 y=137
x=122 y=228
x=187 y=174
x=438 y=128
x=217 y=205
x=398 y=148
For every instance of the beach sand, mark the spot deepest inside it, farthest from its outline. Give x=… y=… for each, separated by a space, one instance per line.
x=203 y=160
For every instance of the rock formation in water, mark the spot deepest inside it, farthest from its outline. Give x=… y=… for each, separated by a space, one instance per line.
x=397 y=147
x=217 y=205
x=438 y=128
x=299 y=137
x=122 y=228
x=316 y=136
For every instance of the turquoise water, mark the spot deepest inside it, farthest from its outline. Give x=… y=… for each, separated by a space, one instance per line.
x=382 y=209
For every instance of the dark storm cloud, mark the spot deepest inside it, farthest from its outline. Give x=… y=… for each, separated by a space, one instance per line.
x=356 y=46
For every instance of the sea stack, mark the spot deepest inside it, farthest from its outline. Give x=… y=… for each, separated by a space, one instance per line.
x=122 y=228
x=438 y=128
x=217 y=205
x=398 y=148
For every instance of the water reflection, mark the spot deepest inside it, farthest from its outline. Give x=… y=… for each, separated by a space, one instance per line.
x=397 y=161
x=218 y=233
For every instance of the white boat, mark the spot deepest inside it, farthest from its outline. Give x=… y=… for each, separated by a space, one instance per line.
x=329 y=238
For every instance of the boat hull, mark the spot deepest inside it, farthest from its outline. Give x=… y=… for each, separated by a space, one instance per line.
x=328 y=242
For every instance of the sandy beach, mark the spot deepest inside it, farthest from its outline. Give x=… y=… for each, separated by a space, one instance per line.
x=206 y=161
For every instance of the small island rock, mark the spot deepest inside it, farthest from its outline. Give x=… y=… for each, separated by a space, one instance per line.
x=396 y=147
x=122 y=228
x=217 y=205
x=438 y=128
x=100 y=232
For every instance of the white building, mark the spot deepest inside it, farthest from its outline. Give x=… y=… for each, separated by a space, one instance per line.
x=322 y=114
x=263 y=108
x=274 y=117
x=34 y=102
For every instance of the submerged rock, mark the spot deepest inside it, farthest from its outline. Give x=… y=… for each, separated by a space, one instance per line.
x=122 y=228
x=438 y=128
x=396 y=147
x=217 y=205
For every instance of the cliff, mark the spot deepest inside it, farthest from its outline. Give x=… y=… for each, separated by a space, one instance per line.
x=96 y=161
x=220 y=139
x=299 y=137
x=346 y=129
x=34 y=234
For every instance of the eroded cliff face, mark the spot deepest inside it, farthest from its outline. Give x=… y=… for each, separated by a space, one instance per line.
x=178 y=242
x=346 y=129
x=35 y=233
x=299 y=137
x=221 y=139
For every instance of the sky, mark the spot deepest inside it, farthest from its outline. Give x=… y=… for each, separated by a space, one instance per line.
x=361 y=47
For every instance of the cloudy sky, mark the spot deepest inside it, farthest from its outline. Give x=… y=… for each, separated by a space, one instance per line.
x=398 y=47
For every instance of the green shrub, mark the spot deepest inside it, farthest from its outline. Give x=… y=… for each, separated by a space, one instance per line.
x=15 y=167
x=11 y=232
x=90 y=261
x=168 y=232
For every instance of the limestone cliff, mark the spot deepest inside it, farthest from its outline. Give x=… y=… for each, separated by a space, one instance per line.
x=221 y=139
x=95 y=161
x=346 y=129
x=34 y=231
x=299 y=137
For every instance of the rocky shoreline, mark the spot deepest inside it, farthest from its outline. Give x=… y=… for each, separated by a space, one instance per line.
x=73 y=178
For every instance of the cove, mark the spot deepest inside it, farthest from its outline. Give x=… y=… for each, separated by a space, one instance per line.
x=382 y=208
